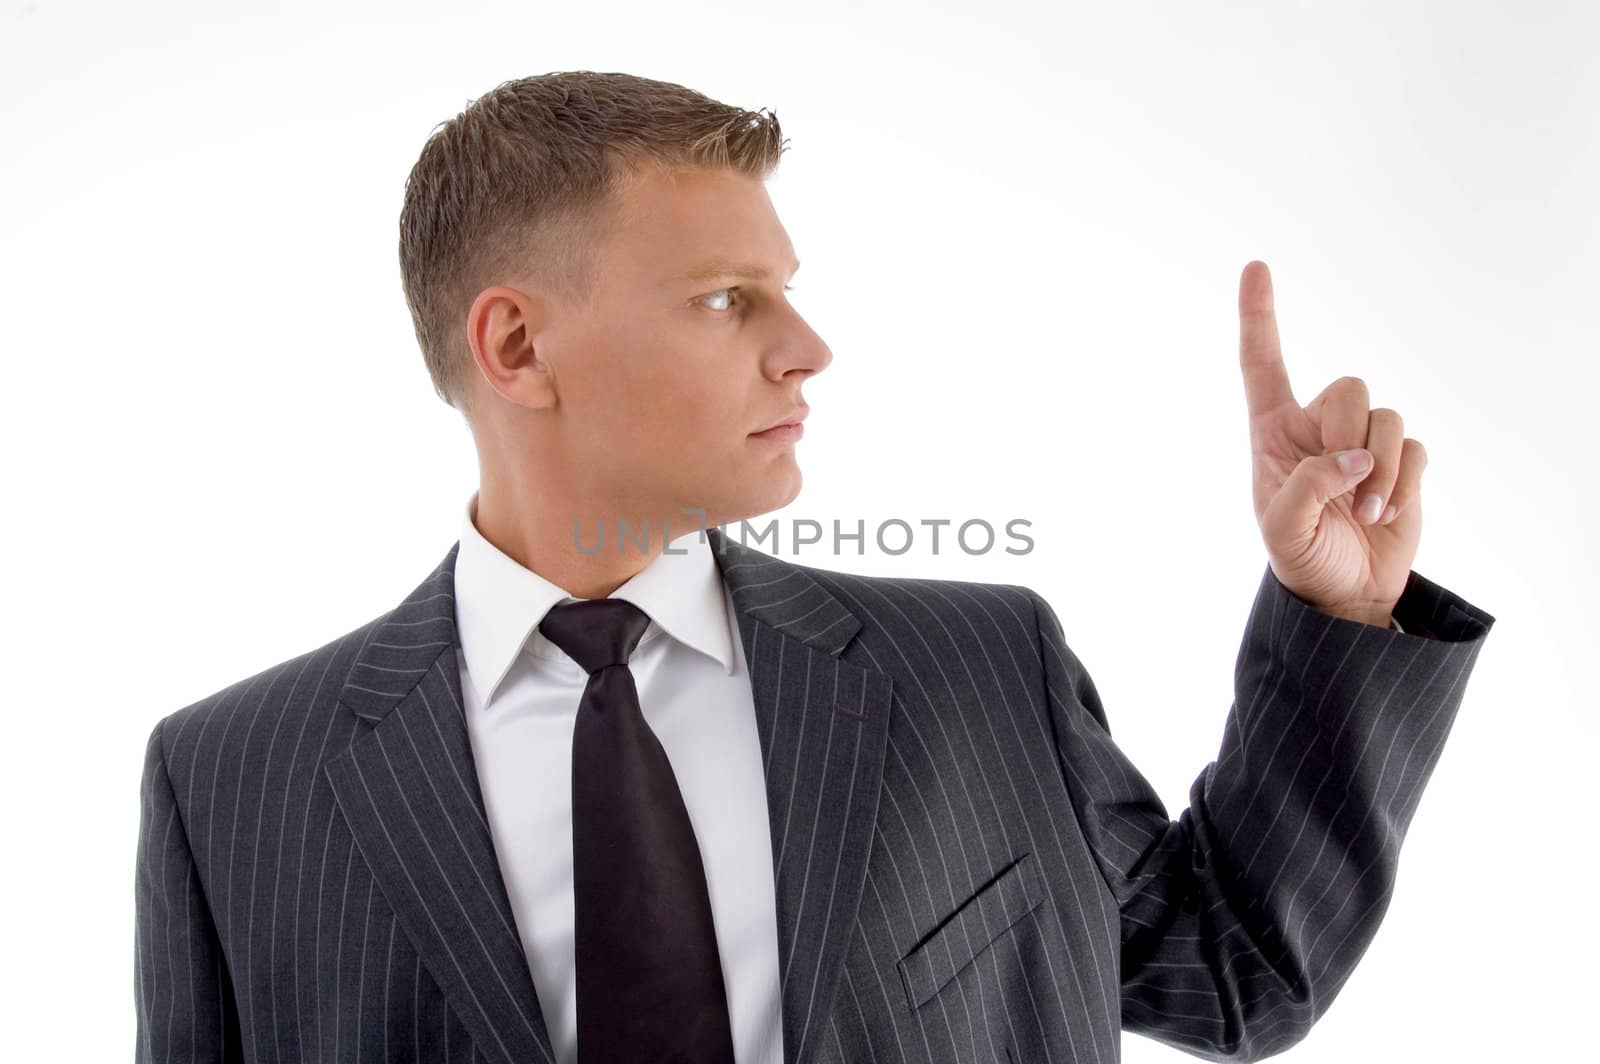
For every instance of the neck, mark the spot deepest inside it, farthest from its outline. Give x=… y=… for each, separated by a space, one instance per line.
x=587 y=551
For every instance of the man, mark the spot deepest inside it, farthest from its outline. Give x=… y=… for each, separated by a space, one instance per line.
x=697 y=803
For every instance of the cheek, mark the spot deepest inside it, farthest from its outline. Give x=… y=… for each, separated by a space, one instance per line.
x=628 y=394
x=663 y=397
x=697 y=412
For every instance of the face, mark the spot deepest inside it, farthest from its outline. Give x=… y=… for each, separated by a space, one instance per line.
x=649 y=399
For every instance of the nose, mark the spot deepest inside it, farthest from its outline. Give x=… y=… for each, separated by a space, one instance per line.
x=805 y=351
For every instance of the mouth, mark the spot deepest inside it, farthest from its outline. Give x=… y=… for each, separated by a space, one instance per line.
x=789 y=429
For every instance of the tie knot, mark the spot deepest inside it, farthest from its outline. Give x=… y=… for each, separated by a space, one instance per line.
x=596 y=632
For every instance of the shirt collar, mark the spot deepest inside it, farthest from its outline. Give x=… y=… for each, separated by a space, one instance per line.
x=500 y=602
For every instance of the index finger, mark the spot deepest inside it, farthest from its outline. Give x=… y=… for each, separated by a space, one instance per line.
x=1266 y=381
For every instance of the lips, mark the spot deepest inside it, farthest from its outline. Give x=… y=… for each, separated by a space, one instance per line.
x=794 y=418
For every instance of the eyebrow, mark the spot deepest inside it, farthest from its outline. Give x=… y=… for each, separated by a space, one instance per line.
x=717 y=269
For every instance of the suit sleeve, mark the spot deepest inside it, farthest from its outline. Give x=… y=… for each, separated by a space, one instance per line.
x=1242 y=919
x=183 y=997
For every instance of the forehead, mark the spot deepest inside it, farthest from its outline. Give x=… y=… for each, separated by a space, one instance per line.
x=681 y=219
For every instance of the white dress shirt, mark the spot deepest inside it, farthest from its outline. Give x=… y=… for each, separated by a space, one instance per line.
x=521 y=694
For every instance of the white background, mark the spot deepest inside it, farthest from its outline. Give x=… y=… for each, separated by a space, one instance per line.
x=1022 y=229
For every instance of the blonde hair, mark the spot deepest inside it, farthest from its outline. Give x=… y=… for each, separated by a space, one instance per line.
x=527 y=179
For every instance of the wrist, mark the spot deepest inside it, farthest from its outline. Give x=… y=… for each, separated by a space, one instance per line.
x=1378 y=619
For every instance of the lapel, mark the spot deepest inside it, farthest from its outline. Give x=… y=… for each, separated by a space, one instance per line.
x=408 y=788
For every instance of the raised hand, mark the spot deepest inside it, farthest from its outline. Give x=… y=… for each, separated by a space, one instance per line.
x=1323 y=542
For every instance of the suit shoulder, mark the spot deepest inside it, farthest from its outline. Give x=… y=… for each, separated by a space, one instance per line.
x=941 y=597
x=293 y=683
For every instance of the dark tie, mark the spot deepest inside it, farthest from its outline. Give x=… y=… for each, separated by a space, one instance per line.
x=650 y=987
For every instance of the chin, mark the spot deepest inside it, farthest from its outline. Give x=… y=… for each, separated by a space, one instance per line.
x=771 y=492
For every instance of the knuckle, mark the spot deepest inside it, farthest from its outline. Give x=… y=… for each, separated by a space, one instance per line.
x=1352 y=383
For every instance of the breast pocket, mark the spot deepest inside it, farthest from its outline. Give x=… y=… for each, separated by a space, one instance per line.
x=971 y=929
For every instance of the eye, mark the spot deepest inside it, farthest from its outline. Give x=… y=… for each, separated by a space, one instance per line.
x=730 y=292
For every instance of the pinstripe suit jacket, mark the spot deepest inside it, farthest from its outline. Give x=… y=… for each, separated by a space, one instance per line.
x=967 y=867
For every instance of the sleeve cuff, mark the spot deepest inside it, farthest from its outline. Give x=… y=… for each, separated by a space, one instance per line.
x=1431 y=611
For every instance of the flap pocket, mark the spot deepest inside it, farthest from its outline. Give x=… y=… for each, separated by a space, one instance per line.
x=970 y=929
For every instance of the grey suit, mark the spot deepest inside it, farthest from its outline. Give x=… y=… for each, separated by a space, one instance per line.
x=967 y=867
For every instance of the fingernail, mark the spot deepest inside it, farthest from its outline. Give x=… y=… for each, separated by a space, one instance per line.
x=1353 y=462
x=1371 y=507
x=1388 y=515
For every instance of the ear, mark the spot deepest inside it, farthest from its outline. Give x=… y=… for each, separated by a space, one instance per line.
x=502 y=324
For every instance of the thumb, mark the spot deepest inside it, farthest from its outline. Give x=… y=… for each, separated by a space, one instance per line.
x=1314 y=482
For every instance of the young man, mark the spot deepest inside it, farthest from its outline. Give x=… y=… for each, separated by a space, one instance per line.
x=582 y=793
